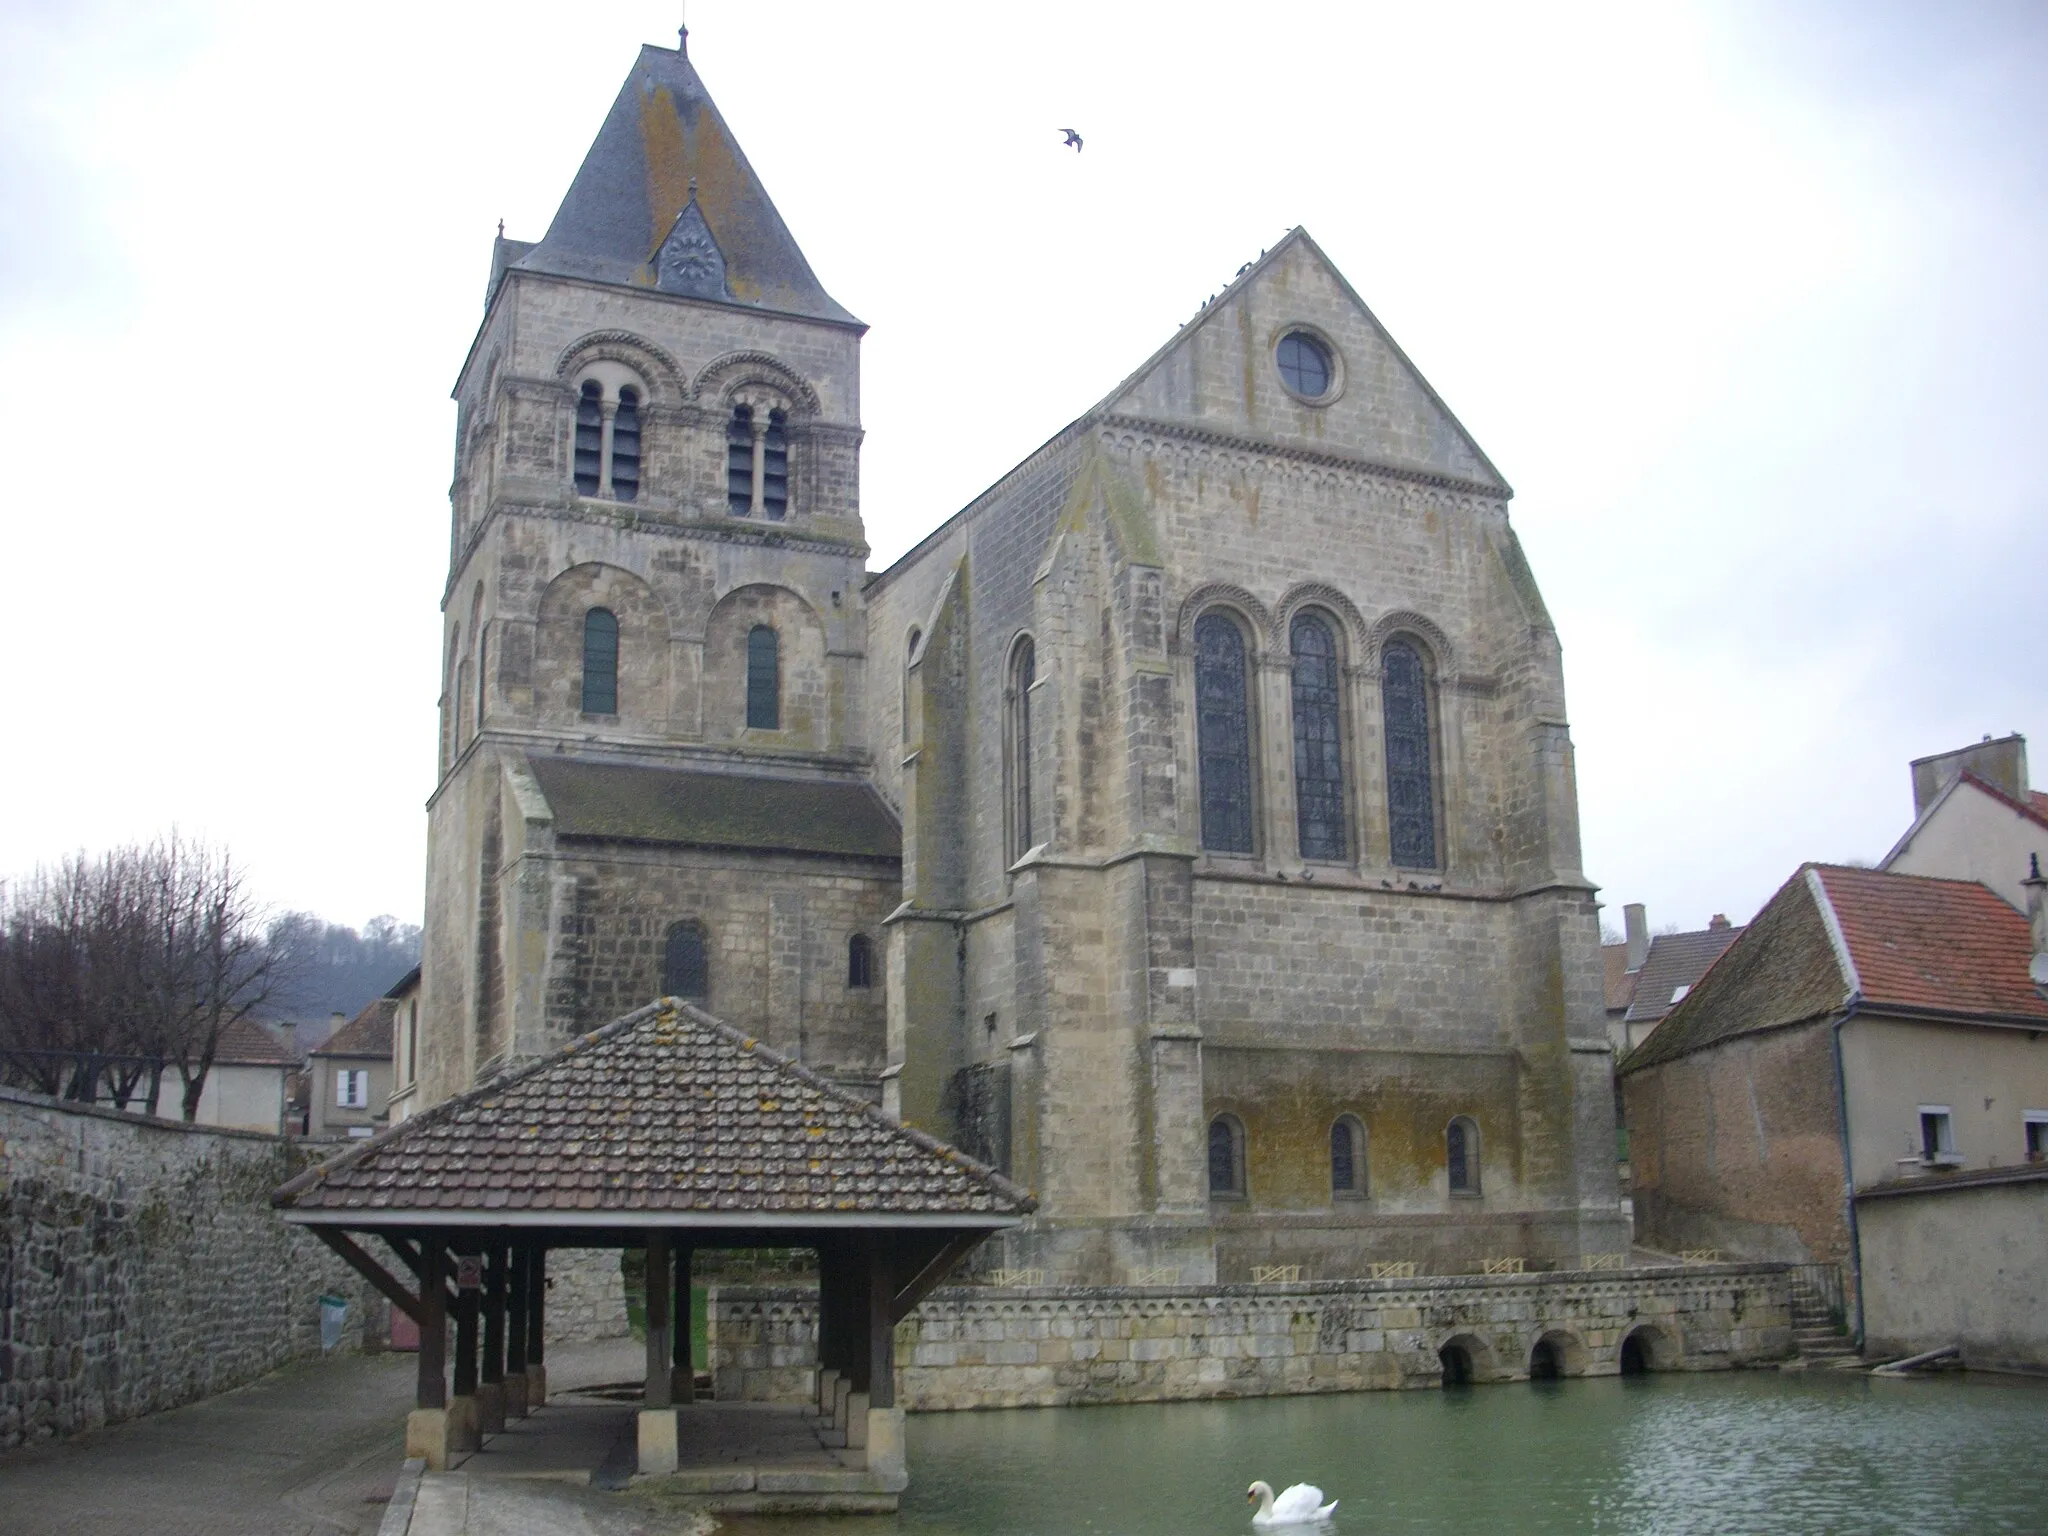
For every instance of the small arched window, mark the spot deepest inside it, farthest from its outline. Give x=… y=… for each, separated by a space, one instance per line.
x=1017 y=730
x=626 y=446
x=1223 y=735
x=1347 y=1157
x=685 y=972
x=764 y=680
x=775 y=468
x=483 y=673
x=1461 y=1155
x=600 y=662
x=739 y=462
x=1411 y=790
x=1318 y=740
x=590 y=438
x=1226 y=1158
x=860 y=961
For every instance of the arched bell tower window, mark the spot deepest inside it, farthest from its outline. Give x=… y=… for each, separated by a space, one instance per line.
x=626 y=446
x=1018 y=745
x=739 y=461
x=600 y=662
x=608 y=425
x=1411 y=788
x=775 y=468
x=764 y=680
x=1223 y=735
x=1318 y=740
x=590 y=438
x=685 y=971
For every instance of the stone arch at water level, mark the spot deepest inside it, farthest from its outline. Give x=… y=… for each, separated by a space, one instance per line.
x=1465 y=1358
x=1559 y=1352
x=1646 y=1348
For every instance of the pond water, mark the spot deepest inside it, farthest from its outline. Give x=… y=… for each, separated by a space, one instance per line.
x=1730 y=1452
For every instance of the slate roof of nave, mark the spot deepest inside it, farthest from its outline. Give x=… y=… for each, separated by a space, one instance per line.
x=665 y=1110
x=644 y=803
x=662 y=137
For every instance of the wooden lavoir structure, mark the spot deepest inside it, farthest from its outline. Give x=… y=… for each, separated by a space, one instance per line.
x=669 y=1131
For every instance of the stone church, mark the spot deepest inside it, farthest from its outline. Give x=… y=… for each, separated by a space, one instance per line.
x=1187 y=826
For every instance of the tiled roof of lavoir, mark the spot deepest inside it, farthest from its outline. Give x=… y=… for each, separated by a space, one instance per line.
x=666 y=1116
x=627 y=802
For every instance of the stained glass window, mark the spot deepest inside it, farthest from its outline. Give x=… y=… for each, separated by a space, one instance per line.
x=1226 y=1167
x=739 y=462
x=1318 y=742
x=1411 y=798
x=1461 y=1155
x=600 y=662
x=684 y=972
x=589 y=437
x=764 y=680
x=1304 y=365
x=1223 y=737
x=1023 y=673
x=626 y=446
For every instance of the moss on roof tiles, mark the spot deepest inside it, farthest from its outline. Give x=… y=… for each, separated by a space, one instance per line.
x=622 y=802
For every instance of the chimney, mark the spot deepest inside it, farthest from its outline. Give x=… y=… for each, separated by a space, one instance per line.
x=2037 y=919
x=2001 y=764
x=1636 y=919
x=1717 y=922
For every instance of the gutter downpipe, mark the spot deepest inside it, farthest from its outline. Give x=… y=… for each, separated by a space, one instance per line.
x=1848 y=1169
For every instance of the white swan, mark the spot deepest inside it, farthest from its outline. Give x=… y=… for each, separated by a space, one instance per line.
x=1297 y=1506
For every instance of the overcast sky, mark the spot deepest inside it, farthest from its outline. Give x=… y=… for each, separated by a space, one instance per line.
x=1747 y=302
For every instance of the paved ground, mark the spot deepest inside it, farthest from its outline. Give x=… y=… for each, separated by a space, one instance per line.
x=311 y=1450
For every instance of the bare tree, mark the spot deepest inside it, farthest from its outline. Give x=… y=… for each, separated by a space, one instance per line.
x=117 y=967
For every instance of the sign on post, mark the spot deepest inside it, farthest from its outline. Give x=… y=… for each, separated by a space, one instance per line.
x=469 y=1273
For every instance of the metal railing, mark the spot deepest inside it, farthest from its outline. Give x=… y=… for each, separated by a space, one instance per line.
x=1824 y=1281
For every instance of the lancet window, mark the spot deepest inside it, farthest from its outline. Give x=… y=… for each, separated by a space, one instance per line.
x=1318 y=740
x=1223 y=735
x=685 y=971
x=1411 y=790
x=1017 y=731
x=764 y=679
x=600 y=662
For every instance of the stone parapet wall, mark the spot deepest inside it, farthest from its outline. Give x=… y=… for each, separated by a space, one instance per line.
x=141 y=1266
x=1042 y=1347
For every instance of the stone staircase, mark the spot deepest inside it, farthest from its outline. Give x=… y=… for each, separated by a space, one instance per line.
x=1819 y=1338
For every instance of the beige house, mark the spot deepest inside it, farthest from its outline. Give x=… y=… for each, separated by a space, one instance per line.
x=244 y=1089
x=1862 y=1078
x=1975 y=818
x=349 y=1078
x=405 y=1046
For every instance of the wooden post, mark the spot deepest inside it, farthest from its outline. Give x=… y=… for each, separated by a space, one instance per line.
x=432 y=1391
x=881 y=1352
x=536 y=1305
x=660 y=1393
x=683 y=1377
x=516 y=1276
x=465 y=1343
x=494 y=1314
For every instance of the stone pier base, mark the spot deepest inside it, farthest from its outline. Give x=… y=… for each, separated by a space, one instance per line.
x=658 y=1454
x=426 y=1437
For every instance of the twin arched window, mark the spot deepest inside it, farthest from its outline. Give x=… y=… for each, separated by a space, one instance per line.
x=757 y=464
x=764 y=679
x=600 y=662
x=1018 y=742
x=1223 y=742
x=607 y=450
x=685 y=968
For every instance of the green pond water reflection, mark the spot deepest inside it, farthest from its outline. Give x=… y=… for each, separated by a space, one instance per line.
x=1723 y=1452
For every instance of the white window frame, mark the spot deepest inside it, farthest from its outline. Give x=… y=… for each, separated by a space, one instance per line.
x=1944 y=1154
x=352 y=1088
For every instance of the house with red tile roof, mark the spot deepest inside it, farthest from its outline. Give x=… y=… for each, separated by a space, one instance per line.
x=1861 y=1079
x=349 y=1078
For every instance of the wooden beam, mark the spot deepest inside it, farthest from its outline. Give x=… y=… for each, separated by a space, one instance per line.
x=928 y=1279
x=371 y=1271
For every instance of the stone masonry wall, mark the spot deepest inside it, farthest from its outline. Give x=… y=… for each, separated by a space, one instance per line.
x=141 y=1267
x=1047 y=1347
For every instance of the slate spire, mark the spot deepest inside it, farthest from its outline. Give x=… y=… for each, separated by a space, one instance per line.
x=666 y=199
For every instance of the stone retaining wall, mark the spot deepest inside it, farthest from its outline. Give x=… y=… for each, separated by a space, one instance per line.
x=976 y=1347
x=141 y=1266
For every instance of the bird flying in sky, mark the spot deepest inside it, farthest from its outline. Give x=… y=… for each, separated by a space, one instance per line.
x=1073 y=138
